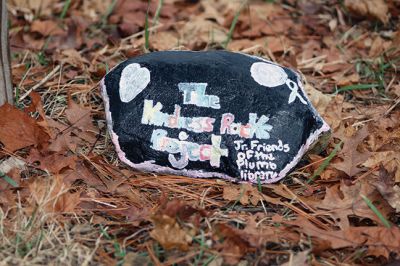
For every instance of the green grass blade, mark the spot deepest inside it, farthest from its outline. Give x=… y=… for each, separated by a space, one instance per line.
x=146 y=29
x=8 y=179
x=65 y=9
x=110 y=9
x=233 y=25
x=158 y=12
x=325 y=163
x=259 y=184
x=376 y=211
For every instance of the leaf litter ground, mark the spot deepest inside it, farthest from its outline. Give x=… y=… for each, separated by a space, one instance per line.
x=66 y=199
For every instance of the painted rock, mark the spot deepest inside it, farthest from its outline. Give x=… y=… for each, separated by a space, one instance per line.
x=209 y=114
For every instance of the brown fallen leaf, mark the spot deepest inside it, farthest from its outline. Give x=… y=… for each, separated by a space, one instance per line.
x=81 y=121
x=392 y=195
x=169 y=233
x=351 y=157
x=18 y=130
x=390 y=159
x=46 y=28
x=43 y=6
x=347 y=80
x=238 y=242
x=53 y=162
x=379 y=45
x=334 y=112
x=164 y=41
x=342 y=200
x=36 y=105
x=52 y=195
x=180 y=210
x=74 y=58
x=135 y=258
x=200 y=31
x=320 y=100
x=386 y=186
x=376 y=9
x=82 y=172
x=95 y=8
x=234 y=245
x=379 y=240
x=247 y=194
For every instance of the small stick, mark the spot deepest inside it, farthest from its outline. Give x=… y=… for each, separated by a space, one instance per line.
x=43 y=81
x=392 y=107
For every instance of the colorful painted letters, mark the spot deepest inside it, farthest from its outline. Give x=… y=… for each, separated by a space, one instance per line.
x=194 y=93
x=255 y=128
x=188 y=151
x=152 y=115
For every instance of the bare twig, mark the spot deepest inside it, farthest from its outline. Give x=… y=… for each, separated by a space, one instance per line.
x=43 y=81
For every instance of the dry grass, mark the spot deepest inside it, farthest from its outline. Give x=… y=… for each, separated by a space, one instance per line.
x=33 y=236
x=116 y=216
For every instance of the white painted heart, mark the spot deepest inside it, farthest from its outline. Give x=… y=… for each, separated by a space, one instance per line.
x=134 y=79
x=268 y=75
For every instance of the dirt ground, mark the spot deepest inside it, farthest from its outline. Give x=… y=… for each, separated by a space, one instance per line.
x=66 y=199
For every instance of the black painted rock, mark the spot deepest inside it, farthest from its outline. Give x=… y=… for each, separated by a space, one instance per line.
x=209 y=114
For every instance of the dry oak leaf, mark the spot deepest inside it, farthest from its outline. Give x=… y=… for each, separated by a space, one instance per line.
x=94 y=8
x=386 y=186
x=379 y=240
x=390 y=159
x=169 y=234
x=342 y=201
x=376 y=9
x=74 y=58
x=346 y=80
x=38 y=6
x=18 y=130
x=234 y=246
x=82 y=172
x=333 y=113
x=46 y=28
x=52 y=195
x=61 y=136
x=199 y=30
x=392 y=195
x=349 y=154
x=319 y=100
x=81 y=121
x=237 y=242
x=53 y=163
x=181 y=210
x=164 y=40
x=167 y=230
x=247 y=194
